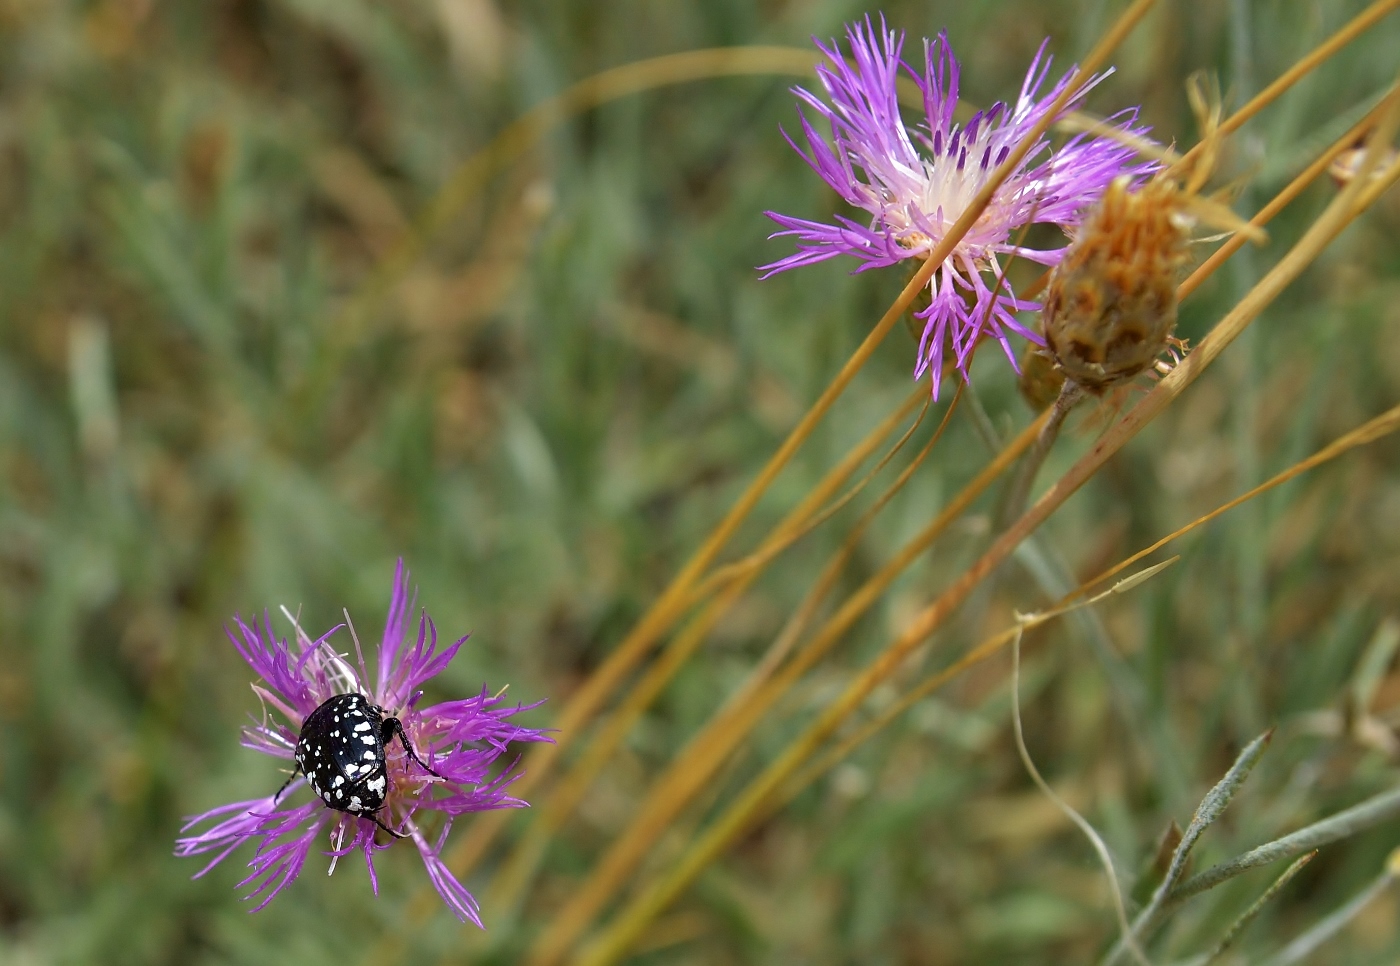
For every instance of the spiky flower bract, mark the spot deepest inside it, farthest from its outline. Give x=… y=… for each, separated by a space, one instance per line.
x=459 y=740
x=916 y=185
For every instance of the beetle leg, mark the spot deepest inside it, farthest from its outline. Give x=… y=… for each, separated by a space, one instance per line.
x=375 y=819
x=391 y=727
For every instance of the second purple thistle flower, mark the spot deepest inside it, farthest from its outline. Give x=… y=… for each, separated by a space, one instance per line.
x=916 y=184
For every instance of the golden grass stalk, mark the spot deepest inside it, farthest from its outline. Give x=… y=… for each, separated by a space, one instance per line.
x=672 y=602
x=634 y=918
x=702 y=756
x=465 y=183
x=1309 y=62
x=739 y=577
x=595 y=690
x=1374 y=429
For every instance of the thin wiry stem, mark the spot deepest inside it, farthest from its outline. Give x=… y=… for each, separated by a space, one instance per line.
x=1105 y=858
x=1055 y=578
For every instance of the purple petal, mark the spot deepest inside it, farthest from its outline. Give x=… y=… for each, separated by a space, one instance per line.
x=458 y=899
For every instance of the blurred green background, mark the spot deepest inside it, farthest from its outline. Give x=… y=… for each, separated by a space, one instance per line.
x=550 y=408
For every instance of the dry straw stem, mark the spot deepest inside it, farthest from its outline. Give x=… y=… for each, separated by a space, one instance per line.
x=969 y=216
x=1354 y=28
x=744 y=569
x=797 y=623
x=619 y=936
x=1370 y=431
x=572 y=786
x=676 y=597
x=671 y=602
x=702 y=756
x=986 y=649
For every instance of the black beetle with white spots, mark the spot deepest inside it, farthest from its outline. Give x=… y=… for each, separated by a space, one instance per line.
x=341 y=750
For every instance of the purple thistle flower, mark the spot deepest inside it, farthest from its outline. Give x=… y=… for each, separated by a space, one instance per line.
x=459 y=740
x=916 y=185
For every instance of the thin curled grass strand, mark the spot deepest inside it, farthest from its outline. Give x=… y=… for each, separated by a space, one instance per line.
x=1120 y=911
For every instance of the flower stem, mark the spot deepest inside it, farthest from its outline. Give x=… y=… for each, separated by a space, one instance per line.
x=1018 y=493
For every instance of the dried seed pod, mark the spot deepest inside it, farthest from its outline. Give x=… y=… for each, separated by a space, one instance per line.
x=1040 y=382
x=1111 y=303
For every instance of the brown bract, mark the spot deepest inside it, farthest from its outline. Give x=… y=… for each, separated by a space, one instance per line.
x=1110 y=307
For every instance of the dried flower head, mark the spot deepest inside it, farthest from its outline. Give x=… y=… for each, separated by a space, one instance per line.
x=915 y=185
x=1111 y=304
x=459 y=740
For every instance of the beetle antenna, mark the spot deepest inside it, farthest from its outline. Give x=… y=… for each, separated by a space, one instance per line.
x=290 y=778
